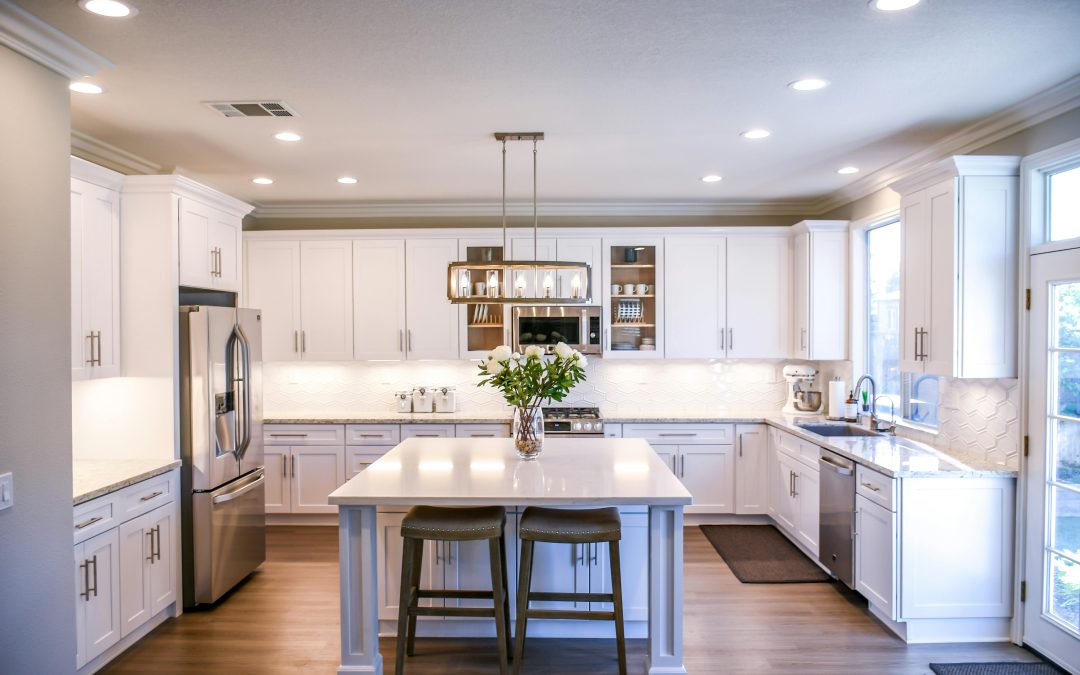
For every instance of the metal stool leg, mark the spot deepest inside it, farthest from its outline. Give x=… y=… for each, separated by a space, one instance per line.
x=414 y=583
x=407 y=561
x=499 y=604
x=525 y=578
x=506 y=596
x=616 y=597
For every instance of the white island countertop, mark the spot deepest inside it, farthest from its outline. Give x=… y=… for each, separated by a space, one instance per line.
x=483 y=471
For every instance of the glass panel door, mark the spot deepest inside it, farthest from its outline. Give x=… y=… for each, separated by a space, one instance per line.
x=1052 y=569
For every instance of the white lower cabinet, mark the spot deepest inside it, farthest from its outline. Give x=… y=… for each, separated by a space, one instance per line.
x=875 y=554
x=794 y=489
x=98 y=619
x=300 y=477
x=751 y=469
x=126 y=566
x=700 y=455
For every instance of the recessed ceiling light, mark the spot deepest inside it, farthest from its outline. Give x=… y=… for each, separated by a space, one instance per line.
x=262 y=180
x=110 y=8
x=711 y=178
x=847 y=170
x=808 y=84
x=755 y=134
x=288 y=136
x=893 y=5
x=84 y=87
x=346 y=180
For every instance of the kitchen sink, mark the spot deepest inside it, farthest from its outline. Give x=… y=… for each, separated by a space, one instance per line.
x=837 y=430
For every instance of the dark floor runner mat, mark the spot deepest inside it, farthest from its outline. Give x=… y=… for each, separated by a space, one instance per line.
x=760 y=554
x=1010 y=668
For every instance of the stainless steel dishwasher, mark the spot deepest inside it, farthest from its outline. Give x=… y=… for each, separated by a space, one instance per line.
x=837 y=549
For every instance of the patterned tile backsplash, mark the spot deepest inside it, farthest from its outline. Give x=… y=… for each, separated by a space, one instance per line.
x=619 y=387
x=979 y=416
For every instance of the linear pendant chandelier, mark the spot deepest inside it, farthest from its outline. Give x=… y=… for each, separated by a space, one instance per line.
x=519 y=282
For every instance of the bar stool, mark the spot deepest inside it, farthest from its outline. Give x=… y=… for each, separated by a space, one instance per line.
x=569 y=526
x=452 y=524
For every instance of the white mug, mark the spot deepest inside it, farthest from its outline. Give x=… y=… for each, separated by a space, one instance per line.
x=642 y=289
x=616 y=289
x=479 y=288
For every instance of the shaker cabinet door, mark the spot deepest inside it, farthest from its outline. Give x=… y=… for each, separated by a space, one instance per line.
x=272 y=285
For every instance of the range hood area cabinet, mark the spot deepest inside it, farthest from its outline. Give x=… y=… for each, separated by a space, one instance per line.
x=95 y=270
x=819 y=323
x=727 y=297
x=958 y=311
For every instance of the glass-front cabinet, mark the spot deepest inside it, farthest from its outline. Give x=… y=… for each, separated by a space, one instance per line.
x=483 y=326
x=633 y=301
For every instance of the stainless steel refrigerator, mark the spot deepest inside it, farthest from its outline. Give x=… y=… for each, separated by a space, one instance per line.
x=222 y=481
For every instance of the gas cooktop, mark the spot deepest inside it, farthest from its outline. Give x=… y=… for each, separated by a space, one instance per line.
x=573 y=421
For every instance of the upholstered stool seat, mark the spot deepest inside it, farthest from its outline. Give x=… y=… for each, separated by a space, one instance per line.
x=577 y=527
x=452 y=524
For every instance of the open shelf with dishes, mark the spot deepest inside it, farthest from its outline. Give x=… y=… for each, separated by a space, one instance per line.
x=632 y=297
x=484 y=324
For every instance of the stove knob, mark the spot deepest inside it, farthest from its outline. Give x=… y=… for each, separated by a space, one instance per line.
x=588 y=426
x=599 y=426
x=577 y=426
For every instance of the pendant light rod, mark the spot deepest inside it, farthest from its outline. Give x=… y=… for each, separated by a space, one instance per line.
x=536 y=241
x=505 y=252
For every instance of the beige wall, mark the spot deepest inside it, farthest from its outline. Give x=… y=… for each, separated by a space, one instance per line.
x=37 y=621
x=1054 y=131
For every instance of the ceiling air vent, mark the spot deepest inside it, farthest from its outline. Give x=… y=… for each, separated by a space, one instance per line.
x=252 y=108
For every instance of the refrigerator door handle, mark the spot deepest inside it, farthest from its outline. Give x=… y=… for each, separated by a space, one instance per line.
x=229 y=496
x=245 y=363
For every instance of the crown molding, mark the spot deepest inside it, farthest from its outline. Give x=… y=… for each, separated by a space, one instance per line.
x=96 y=174
x=956 y=166
x=1058 y=99
x=516 y=209
x=28 y=35
x=98 y=151
x=185 y=187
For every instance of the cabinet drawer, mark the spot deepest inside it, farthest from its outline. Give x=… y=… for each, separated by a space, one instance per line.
x=680 y=434
x=145 y=496
x=358 y=459
x=483 y=431
x=94 y=517
x=304 y=434
x=613 y=430
x=427 y=431
x=876 y=487
x=372 y=434
x=799 y=449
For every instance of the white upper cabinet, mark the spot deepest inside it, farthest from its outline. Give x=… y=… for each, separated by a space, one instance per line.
x=695 y=308
x=95 y=271
x=819 y=290
x=209 y=246
x=958 y=268
x=431 y=321
x=379 y=299
x=758 y=297
x=586 y=250
x=272 y=285
x=326 y=300
x=224 y=238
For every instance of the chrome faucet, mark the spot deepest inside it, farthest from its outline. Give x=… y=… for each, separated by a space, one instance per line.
x=891 y=427
x=873 y=399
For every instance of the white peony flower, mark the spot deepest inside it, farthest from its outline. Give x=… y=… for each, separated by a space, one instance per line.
x=512 y=364
x=515 y=356
x=534 y=352
x=500 y=353
x=581 y=360
x=563 y=350
x=494 y=367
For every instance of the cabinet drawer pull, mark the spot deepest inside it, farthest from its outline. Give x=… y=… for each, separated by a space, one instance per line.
x=427 y=435
x=670 y=435
x=373 y=435
x=150 y=496
x=871 y=487
x=289 y=435
x=87 y=523
x=481 y=435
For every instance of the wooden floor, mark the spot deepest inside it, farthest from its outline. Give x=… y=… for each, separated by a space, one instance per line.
x=284 y=619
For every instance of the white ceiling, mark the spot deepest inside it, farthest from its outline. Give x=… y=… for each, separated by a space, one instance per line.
x=638 y=99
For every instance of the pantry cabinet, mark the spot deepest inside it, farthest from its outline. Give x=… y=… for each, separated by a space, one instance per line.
x=305 y=292
x=958 y=299
x=819 y=317
x=95 y=271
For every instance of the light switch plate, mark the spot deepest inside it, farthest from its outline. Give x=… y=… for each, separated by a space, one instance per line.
x=7 y=491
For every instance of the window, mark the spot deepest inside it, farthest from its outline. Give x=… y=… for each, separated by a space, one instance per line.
x=1063 y=201
x=911 y=396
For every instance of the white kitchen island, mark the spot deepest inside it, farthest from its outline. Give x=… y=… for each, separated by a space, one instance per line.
x=482 y=471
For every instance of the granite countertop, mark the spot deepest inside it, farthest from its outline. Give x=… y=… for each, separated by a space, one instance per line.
x=484 y=471
x=95 y=477
x=391 y=417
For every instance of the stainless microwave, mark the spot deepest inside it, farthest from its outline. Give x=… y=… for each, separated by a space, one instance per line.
x=547 y=325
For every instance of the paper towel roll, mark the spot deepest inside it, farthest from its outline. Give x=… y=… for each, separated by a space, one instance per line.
x=837 y=397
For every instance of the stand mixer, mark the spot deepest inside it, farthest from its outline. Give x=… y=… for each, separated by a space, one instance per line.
x=800 y=400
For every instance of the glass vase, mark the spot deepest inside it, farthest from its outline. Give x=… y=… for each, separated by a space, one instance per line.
x=528 y=428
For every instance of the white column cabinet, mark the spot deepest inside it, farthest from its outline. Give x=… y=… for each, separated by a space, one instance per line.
x=95 y=271
x=751 y=469
x=958 y=268
x=695 y=301
x=819 y=317
x=326 y=300
x=431 y=321
x=758 y=297
x=379 y=299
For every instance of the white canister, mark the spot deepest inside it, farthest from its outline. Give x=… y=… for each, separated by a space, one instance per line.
x=445 y=400
x=423 y=400
x=403 y=401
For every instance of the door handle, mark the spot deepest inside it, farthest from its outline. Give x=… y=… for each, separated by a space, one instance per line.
x=408 y=340
x=303 y=342
x=400 y=340
x=89 y=589
x=296 y=341
x=292 y=465
x=731 y=339
x=740 y=444
x=284 y=466
x=722 y=341
x=150 y=557
x=802 y=338
x=794 y=484
x=157 y=538
x=84 y=567
x=235 y=494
